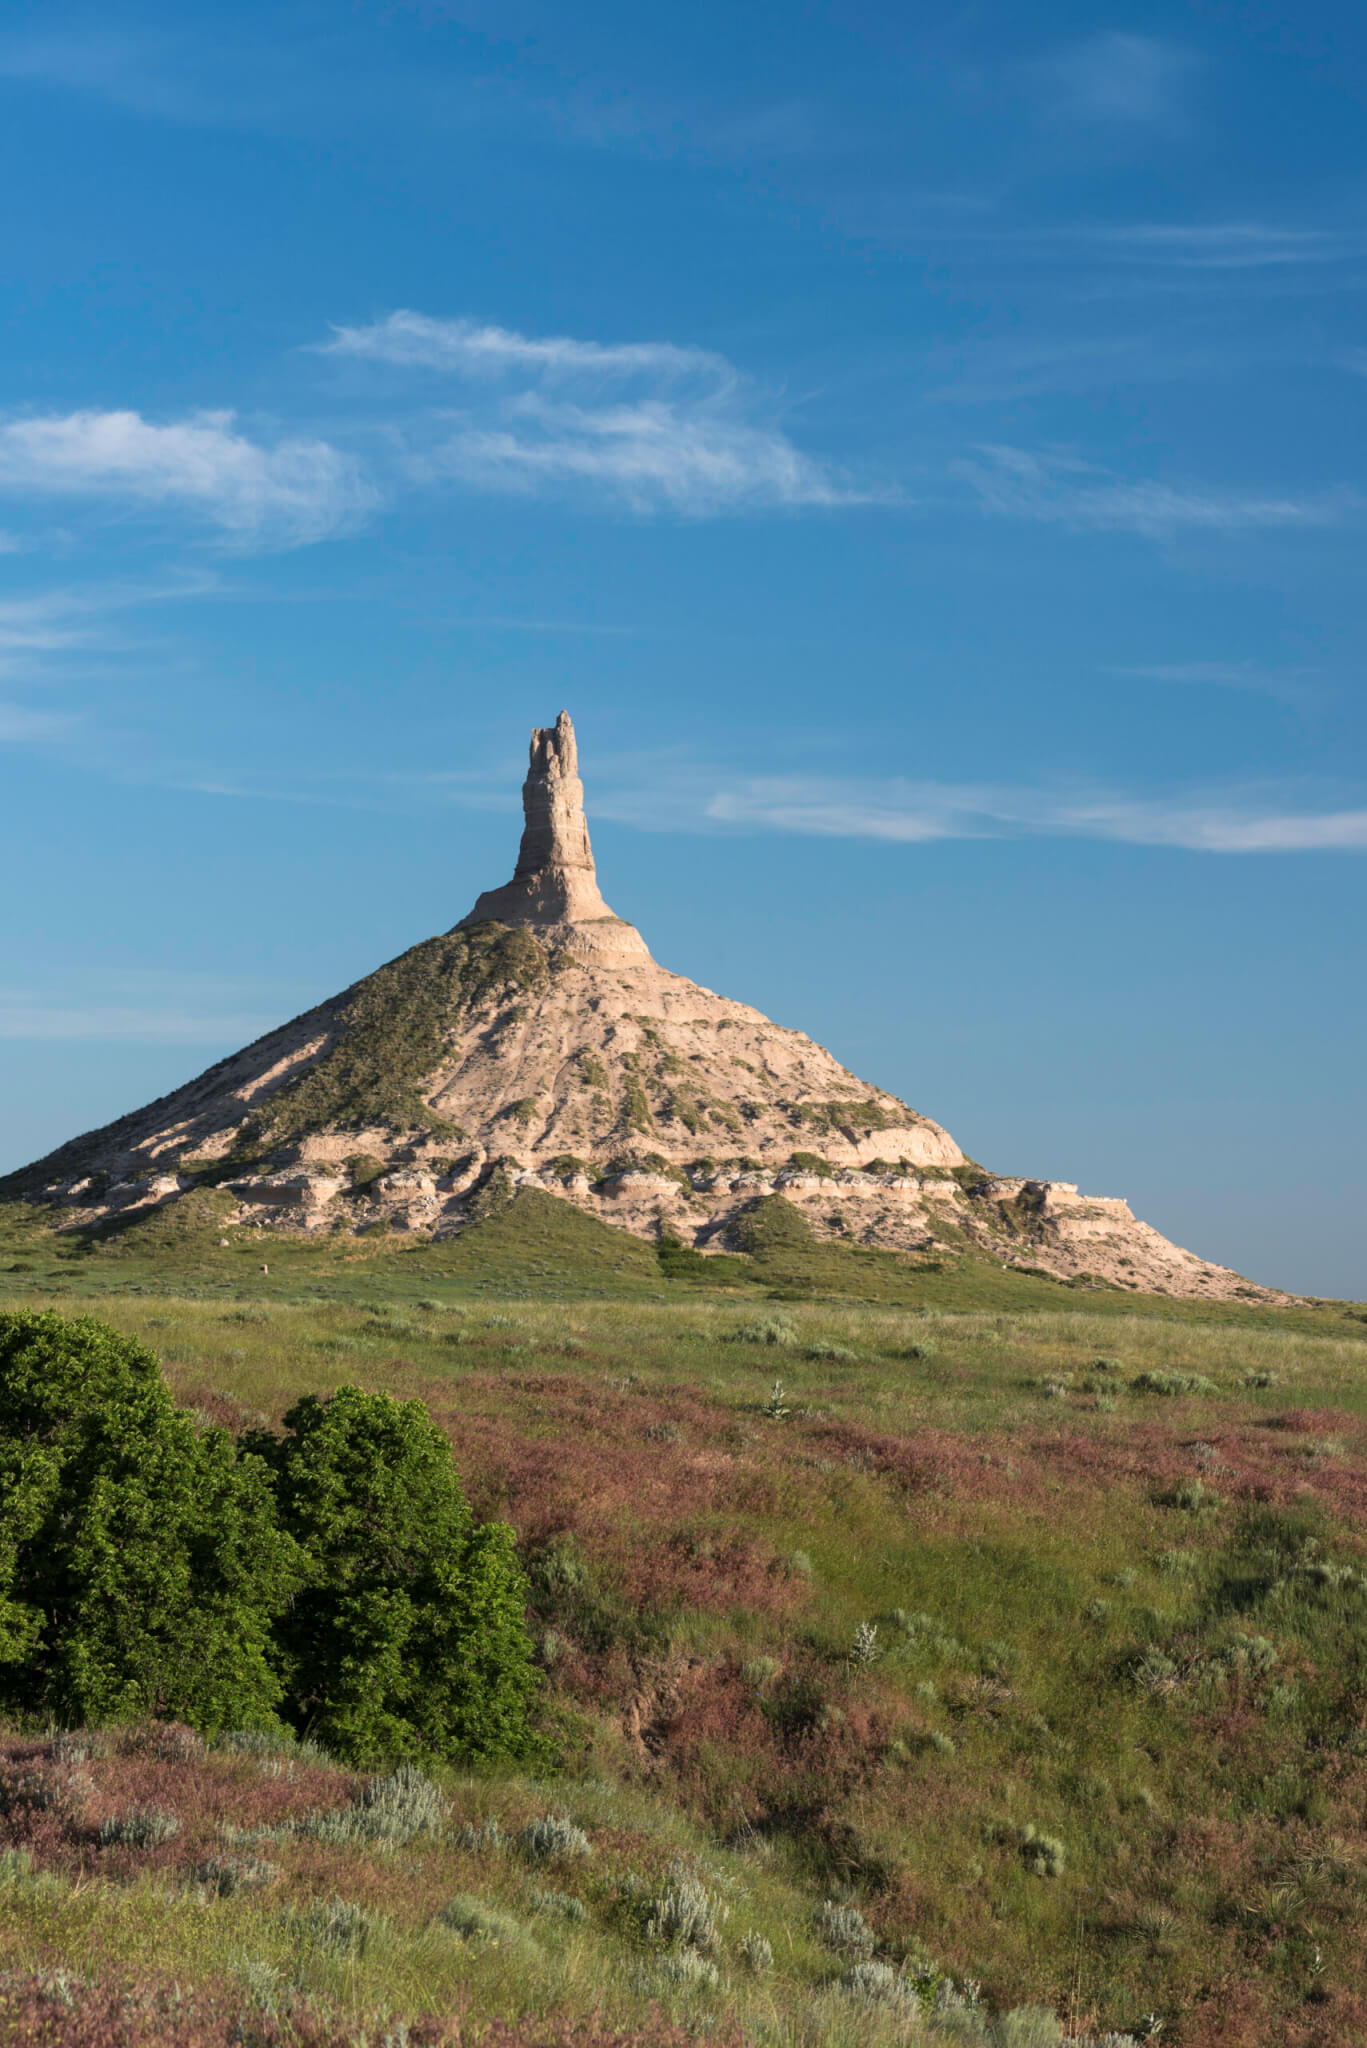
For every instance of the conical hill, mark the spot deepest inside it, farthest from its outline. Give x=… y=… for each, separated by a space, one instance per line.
x=537 y=1043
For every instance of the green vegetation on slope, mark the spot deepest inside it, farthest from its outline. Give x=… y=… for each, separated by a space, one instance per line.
x=393 y=1028
x=1029 y=1638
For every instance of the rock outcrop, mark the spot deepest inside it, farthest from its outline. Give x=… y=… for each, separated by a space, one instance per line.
x=537 y=1043
x=554 y=890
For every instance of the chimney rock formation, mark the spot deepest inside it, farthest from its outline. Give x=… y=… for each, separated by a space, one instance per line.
x=559 y=1056
x=554 y=890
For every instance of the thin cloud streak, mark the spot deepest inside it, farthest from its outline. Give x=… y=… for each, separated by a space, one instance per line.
x=1063 y=490
x=468 y=348
x=910 y=813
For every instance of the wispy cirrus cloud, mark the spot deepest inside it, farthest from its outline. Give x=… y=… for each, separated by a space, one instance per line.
x=1064 y=490
x=474 y=348
x=649 y=426
x=19 y=725
x=257 y=495
x=1215 y=245
x=1259 y=821
x=1117 y=77
x=1284 y=686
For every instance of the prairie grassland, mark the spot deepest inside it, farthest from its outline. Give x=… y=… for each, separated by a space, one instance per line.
x=1036 y=1636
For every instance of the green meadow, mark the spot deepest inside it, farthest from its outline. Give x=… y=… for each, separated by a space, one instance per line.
x=928 y=1653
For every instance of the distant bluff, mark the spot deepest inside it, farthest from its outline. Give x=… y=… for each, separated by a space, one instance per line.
x=537 y=1042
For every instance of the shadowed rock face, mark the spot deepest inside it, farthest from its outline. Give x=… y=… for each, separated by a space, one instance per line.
x=554 y=890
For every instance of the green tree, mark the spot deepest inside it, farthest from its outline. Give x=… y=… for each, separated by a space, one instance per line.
x=408 y=1636
x=140 y=1559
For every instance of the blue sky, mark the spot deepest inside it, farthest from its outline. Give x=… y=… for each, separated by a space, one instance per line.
x=926 y=456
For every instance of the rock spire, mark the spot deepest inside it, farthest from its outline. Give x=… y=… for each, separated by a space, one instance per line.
x=554 y=889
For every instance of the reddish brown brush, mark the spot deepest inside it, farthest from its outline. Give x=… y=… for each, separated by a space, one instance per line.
x=44 y=2011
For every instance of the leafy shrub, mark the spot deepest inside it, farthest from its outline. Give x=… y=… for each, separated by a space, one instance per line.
x=142 y=1827
x=1171 y=1383
x=844 y=1929
x=685 y=1914
x=553 y=1834
x=407 y=1635
x=140 y=1564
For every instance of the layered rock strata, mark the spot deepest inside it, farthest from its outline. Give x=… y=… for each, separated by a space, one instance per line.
x=537 y=1043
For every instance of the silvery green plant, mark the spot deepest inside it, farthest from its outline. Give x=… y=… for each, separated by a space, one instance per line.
x=553 y=1834
x=843 y=1928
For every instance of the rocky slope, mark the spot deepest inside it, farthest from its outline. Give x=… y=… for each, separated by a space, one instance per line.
x=539 y=1042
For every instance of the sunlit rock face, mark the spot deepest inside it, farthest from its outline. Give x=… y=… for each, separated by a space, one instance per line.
x=554 y=891
x=537 y=1043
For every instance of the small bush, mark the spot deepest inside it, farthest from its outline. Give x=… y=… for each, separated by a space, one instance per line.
x=474 y=1919
x=553 y=1835
x=1042 y=1855
x=765 y=1330
x=687 y=1970
x=142 y=1827
x=1191 y=1495
x=757 y=1954
x=1033 y=2026
x=878 y=1984
x=226 y=1876
x=338 y=1927
x=685 y=1914
x=865 y=1649
x=1172 y=1383
x=397 y=1808
x=562 y=1905
x=486 y=1839
x=844 y=1929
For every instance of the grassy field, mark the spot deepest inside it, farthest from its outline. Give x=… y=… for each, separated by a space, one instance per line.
x=910 y=1636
